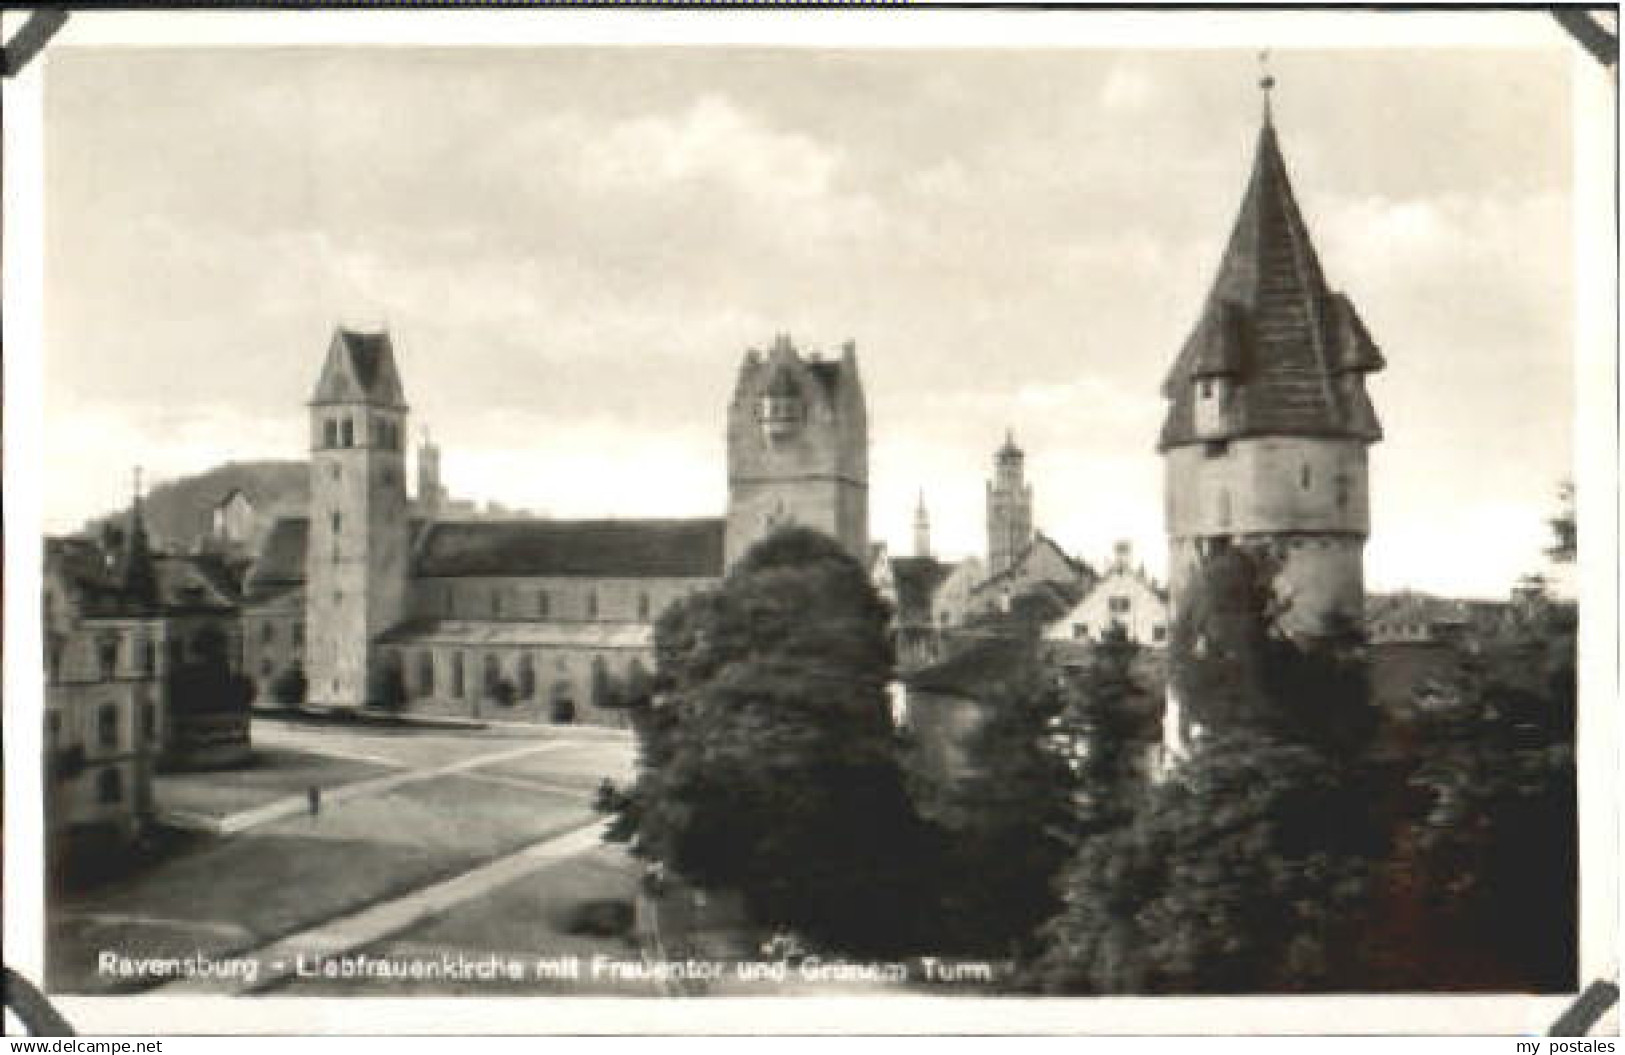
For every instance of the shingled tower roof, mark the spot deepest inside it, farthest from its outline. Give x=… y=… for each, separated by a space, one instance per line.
x=360 y=368
x=1293 y=350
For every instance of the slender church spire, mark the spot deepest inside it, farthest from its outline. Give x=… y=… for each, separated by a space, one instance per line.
x=922 y=528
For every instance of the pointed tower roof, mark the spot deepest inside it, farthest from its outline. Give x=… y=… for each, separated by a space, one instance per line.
x=360 y=368
x=1008 y=450
x=1291 y=346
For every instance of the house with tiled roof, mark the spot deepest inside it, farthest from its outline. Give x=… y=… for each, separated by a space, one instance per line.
x=1122 y=601
x=122 y=626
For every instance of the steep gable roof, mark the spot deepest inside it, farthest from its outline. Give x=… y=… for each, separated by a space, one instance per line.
x=194 y=582
x=360 y=368
x=1294 y=349
x=630 y=549
x=1079 y=573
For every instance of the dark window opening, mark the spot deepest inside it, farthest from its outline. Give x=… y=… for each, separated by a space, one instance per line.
x=1216 y=448
x=347 y=433
x=330 y=433
x=426 y=674
x=107 y=656
x=543 y=603
x=107 y=726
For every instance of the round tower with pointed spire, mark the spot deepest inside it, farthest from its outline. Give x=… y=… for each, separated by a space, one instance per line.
x=1268 y=421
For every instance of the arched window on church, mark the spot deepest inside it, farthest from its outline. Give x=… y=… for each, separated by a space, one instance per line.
x=330 y=433
x=347 y=433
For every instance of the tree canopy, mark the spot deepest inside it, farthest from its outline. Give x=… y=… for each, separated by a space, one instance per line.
x=768 y=761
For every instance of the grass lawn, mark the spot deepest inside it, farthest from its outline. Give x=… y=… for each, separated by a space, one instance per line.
x=525 y=919
x=291 y=874
x=272 y=773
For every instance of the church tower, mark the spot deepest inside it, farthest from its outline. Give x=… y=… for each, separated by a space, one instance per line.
x=1268 y=422
x=356 y=555
x=798 y=448
x=1009 y=508
x=922 y=529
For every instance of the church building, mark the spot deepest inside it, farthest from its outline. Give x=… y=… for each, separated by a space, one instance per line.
x=382 y=598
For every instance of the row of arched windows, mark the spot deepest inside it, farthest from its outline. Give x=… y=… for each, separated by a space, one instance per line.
x=427 y=674
x=373 y=431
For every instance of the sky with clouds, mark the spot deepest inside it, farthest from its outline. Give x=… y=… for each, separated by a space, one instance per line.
x=574 y=247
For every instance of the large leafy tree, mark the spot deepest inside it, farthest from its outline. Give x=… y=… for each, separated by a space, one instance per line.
x=1492 y=841
x=1246 y=867
x=768 y=761
x=1245 y=871
x=1004 y=819
x=1233 y=666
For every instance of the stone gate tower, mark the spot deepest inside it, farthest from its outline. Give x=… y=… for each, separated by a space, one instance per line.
x=798 y=448
x=1264 y=444
x=1009 y=507
x=356 y=554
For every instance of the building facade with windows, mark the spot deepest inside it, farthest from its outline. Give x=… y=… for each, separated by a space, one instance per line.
x=1124 y=601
